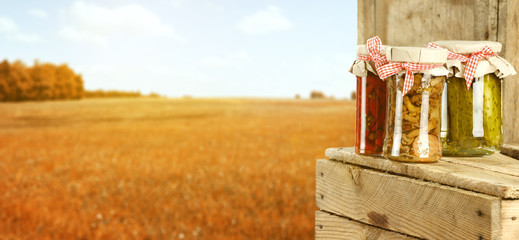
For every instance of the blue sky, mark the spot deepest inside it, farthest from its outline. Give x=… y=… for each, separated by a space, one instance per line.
x=201 y=48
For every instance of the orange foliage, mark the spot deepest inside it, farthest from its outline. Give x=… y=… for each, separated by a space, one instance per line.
x=110 y=93
x=165 y=169
x=117 y=94
x=40 y=82
x=317 y=95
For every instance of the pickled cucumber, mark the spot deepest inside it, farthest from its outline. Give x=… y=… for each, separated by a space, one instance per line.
x=492 y=120
x=460 y=140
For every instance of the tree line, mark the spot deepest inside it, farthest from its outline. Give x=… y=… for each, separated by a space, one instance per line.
x=48 y=81
x=111 y=94
x=42 y=81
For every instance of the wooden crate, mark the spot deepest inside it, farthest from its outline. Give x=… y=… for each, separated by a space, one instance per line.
x=362 y=197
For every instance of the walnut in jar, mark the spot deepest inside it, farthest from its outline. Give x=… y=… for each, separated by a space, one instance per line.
x=412 y=135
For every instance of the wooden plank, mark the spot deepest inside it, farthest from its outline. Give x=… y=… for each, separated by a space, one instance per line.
x=511 y=150
x=496 y=163
x=328 y=226
x=444 y=172
x=502 y=14
x=406 y=205
x=510 y=219
x=415 y=23
x=509 y=36
x=365 y=20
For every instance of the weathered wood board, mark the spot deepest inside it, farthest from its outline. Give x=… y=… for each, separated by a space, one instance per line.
x=414 y=207
x=510 y=219
x=511 y=150
x=328 y=226
x=417 y=22
x=509 y=36
x=484 y=175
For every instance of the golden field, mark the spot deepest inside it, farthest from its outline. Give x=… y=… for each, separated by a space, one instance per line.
x=165 y=168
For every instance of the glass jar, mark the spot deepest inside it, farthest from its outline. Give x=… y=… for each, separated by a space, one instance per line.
x=415 y=78
x=370 y=115
x=371 y=98
x=473 y=117
x=413 y=119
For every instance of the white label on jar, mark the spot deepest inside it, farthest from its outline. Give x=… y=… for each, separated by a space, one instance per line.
x=444 y=121
x=397 y=133
x=477 y=107
x=423 y=138
x=363 y=116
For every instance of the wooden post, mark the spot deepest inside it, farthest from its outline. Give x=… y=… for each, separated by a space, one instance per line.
x=508 y=20
x=417 y=22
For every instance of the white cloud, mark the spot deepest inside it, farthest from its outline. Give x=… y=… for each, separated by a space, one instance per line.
x=213 y=6
x=7 y=25
x=265 y=21
x=175 y=3
x=96 y=24
x=235 y=60
x=21 y=37
x=38 y=13
x=10 y=31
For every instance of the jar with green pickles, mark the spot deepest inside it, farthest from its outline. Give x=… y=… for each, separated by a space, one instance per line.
x=472 y=99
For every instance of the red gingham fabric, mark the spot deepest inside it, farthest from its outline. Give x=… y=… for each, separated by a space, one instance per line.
x=374 y=46
x=452 y=55
x=472 y=64
x=472 y=61
x=393 y=68
x=363 y=57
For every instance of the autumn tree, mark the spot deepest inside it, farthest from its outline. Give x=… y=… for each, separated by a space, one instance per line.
x=5 y=88
x=42 y=81
x=317 y=95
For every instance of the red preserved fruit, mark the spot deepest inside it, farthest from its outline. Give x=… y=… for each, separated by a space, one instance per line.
x=375 y=118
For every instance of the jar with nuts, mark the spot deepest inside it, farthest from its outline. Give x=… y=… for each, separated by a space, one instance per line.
x=371 y=98
x=415 y=79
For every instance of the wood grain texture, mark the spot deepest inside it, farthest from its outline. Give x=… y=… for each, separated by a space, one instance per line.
x=511 y=150
x=447 y=171
x=510 y=219
x=328 y=226
x=415 y=23
x=508 y=35
x=365 y=20
x=498 y=163
x=410 y=206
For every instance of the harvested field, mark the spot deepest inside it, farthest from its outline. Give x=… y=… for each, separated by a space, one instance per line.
x=165 y=168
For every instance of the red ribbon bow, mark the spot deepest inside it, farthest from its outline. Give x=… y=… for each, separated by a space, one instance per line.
x=451 y=55
x=472 y=61
x=393 y=68
x=374 y=46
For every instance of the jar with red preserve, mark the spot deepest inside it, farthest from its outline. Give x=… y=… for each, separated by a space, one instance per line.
x=371 y=101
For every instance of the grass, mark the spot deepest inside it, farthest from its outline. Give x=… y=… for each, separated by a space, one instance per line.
x=165 y=168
